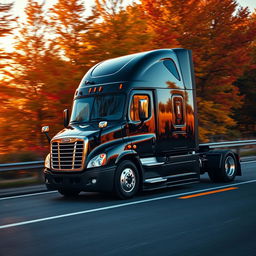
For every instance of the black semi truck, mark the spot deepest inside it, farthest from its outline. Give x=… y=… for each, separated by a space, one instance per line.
x=134 y=127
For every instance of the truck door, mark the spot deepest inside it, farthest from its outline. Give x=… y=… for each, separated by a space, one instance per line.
x=172 y=134
x=142 y=133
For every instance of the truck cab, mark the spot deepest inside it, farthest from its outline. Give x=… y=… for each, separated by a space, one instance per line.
x=133 y=127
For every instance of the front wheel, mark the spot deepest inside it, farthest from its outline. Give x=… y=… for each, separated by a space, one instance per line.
x=126 y=180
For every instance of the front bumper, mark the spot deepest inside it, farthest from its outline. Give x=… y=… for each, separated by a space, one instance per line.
x=82 y=181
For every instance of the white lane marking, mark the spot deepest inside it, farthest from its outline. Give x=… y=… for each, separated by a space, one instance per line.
x=48 y=192
x=119 y=205
x=248 y=162
x=26 y=195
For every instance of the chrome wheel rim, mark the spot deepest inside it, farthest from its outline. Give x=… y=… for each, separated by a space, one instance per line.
x=128 y=180
x=230 y=166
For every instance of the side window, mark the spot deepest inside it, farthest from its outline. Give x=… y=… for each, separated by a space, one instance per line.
x=170 y=65
x=134 y=108
x=178 y=109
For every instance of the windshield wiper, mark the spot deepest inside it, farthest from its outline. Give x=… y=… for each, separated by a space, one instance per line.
x=78 y=122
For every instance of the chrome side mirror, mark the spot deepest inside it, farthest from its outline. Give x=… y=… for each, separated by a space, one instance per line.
x=103 y=124
x=143 y=109
x=45 y=129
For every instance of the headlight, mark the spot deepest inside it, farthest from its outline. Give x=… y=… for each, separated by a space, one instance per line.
x=97 y=161
x=47 y=162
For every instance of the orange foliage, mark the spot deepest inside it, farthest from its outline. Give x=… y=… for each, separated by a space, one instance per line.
x=53 y=51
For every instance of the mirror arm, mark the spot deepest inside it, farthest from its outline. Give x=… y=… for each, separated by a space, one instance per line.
x=48 y=137
x=99 y=137
x=101 y=125
x=66 y=118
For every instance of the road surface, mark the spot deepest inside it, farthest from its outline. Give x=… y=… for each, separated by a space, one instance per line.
x=200 y=219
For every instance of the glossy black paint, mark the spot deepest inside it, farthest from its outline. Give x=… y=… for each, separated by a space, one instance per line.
x=142 y=135
x=82 y=181
x=166 y=76
x=110 y=140
x=147 y=71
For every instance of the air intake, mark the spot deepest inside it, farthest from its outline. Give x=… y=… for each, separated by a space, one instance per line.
x=68 y=156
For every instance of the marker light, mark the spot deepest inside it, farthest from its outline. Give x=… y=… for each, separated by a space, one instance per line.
x=47 y=161
x=90 y=90
x=97 y=161
x=120 y=86
x=95 y=89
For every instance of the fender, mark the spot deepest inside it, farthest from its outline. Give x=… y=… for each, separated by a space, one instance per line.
x=214 y=158
x=126 y=153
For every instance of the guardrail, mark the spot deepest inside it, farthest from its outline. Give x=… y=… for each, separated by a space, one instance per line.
x=21 y=166
x=21 y=174
x=228 y=144
x=40 y=164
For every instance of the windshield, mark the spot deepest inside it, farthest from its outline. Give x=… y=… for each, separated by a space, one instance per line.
x=99 y=107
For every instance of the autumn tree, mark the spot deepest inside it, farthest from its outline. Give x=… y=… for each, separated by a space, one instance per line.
x=246 y=115
x=6 y=27
x=55 y=48
x=163 y=22
x=69 y=23
x=28 y=74
x=121 y=30
x=219 y=33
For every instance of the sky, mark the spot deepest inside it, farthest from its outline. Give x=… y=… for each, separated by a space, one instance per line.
x=19 y=6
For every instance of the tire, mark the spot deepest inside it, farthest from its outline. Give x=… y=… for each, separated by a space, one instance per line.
x=126 y=183
x=69 y=192
x=228 y=169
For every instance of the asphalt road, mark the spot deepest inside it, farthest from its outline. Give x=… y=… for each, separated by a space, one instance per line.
x=153 y=223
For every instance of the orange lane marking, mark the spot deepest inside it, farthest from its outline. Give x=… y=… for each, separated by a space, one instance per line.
x=208 y=193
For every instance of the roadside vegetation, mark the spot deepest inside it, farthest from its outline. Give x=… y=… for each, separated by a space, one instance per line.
x=55 y=47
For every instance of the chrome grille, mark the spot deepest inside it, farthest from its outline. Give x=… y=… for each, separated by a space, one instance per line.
x=67 y=156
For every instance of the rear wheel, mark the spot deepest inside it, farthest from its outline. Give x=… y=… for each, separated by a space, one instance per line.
x=227 y=170
x=69 y=192
x=126 y=180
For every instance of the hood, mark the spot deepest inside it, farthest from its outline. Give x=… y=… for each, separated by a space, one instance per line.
x=82 y=130
x=92 y=132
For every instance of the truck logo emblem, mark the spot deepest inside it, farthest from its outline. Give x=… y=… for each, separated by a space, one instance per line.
x=65 y=140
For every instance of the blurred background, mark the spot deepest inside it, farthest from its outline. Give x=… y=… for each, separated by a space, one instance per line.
x=47 y=46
